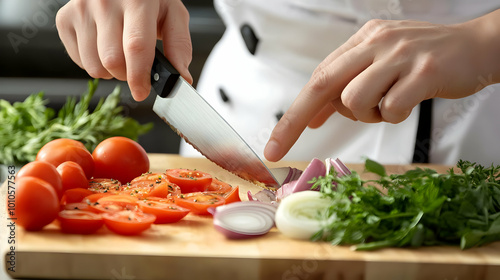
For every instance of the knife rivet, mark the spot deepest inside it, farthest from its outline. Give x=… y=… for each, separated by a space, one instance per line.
x=156 y=77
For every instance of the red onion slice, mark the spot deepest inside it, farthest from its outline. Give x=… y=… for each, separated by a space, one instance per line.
x=293 y=175
x=265 y=195
x=315 y=169
x=340 y=167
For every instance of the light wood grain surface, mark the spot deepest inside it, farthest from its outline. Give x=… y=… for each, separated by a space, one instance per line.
x=192 y=249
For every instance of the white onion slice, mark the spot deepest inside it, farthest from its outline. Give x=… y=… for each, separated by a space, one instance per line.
x=302 y=214
x=244 y=219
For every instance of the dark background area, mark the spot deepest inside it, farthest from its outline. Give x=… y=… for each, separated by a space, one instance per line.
x=33 y=59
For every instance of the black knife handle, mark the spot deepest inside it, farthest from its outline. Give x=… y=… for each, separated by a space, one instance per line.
x=163 y=75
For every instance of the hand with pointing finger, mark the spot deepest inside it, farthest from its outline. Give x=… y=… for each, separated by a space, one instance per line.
x=387 y=68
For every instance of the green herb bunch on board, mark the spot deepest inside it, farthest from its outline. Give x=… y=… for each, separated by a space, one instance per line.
x=26 y=126
x=417 y=208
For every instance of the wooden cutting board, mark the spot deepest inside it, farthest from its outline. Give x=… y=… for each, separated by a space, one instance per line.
x=192 y=249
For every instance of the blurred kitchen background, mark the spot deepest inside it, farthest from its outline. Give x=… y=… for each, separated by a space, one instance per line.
x=33 y=59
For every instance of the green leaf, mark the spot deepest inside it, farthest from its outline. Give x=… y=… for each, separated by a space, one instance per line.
x=375 y=167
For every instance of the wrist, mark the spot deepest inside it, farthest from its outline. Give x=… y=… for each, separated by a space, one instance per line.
x=485 y=32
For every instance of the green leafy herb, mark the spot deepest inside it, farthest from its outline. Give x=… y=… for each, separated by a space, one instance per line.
x=417 y=208
x=26 y=126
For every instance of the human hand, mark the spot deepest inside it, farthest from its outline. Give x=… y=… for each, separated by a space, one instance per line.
x=386 y=69
x=118 y=38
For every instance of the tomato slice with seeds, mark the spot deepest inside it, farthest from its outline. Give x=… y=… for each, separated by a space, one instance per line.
x=218 y=186
x=189 y=180
x=115 y=203
x=103 y=185
x=77 y=206
x=79 y=221
x=128 y=222
x=165 y=189
x=165 y=212
x=144 y=189
x=150 y=177
x=233 y=195
x=94 y=197
x=199 y=202
x=74 y=195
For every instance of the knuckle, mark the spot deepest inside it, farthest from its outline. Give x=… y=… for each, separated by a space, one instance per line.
x=426 y=66
x=97 y=72
x=320 y=80
x=352 y=100
x=183 y=12
x=373 y=24
x=392 y=111
x=80 y=6
x=113 y=61
x=135 y=44
x=61 y=18
x=377 y=30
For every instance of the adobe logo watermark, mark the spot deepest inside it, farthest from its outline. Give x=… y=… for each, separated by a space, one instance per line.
x=32 y=24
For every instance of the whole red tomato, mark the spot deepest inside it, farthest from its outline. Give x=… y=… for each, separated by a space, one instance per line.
x=72 y=175
x=37 y=204
x=61 y=150
x=120 y=158
x=45 y=171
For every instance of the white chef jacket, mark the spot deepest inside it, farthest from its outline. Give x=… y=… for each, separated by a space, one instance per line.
x=251 y=91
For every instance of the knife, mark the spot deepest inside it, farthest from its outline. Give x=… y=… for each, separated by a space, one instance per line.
x=192 y=118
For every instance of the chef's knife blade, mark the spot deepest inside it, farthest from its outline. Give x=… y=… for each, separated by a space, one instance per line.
x=188 y=114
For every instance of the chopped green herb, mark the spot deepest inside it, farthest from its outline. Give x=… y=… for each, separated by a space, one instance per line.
x=417 y=208
x=26 y=126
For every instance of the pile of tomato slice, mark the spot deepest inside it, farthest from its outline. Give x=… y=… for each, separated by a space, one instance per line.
x=83 y=204
x=131 y=208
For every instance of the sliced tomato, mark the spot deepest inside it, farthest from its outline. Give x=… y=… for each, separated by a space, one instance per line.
x=149 y=176
x=218 y=186
x=103 y=185
x=165 y=212
x=159 y=199
x=199 y=202
x=230 y=193
x=144 y=189
x=164 y=189
x=139 y=190
x=189 y=180
x=118 y=198
x=115 y=203
x=128 y=222
x=233 y=195
x=94 y=197
x=79 y=221
x=77 y=206
x=74 y=195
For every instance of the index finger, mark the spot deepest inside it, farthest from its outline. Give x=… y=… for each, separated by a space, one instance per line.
x=139 y=41
x=325 y=85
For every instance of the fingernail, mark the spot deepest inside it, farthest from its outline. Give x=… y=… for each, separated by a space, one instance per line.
x=272 y=151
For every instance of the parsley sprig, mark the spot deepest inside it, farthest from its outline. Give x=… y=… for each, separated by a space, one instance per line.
x=26 y=126
x=417 y=208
